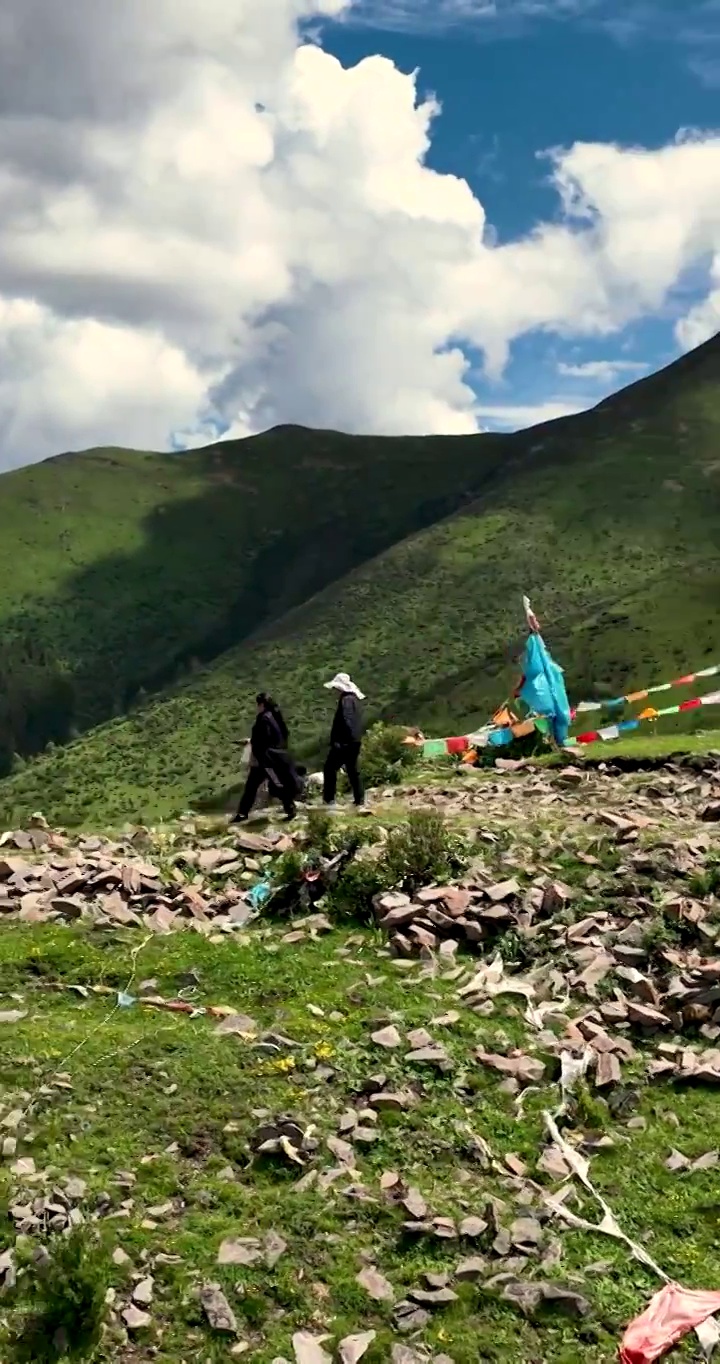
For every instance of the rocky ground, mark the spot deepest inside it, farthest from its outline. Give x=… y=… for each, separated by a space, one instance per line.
x=295 y=1136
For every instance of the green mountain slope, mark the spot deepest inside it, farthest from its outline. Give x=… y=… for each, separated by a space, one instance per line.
x=121 y=571
x=611 y=520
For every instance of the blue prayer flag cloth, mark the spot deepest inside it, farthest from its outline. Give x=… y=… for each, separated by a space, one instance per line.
x=543 y=688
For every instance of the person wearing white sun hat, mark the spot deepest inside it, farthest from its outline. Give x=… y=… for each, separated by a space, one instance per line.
x=345 y=740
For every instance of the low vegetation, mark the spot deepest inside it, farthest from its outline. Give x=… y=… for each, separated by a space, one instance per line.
x=65 y=1288
x=407 y=1206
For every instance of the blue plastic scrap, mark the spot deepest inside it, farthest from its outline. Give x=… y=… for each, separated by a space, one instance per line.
x=259 y=894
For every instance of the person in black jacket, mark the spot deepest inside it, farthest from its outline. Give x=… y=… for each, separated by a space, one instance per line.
x=345 y=740
x=269 y=761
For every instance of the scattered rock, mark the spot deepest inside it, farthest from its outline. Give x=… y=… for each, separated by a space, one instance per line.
x=433 y=1297
x=472 y=1228
x=527 y=1069
x=237 y=1025
x=504 y=890
x=135 y=1319
x=419 y=1038
x=528 y=1297
x=274 y=1248
x=402 y=1354
x=415 y=1204
x=239 y=1251
x=342 y=1151
x=308 y=1349
x=23 y=1167
x=469 y=1271
x=409 y=1317
x=143 y=1292
x=387 y=1037
x=526 y=1232
x=75 y=1190
x=217 y=1309
x=431 y=1056
x=375 y=1284
x=392 y=1103
x=567 y=1301
x=352 y=1348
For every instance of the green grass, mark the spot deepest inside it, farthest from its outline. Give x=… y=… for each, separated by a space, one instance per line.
x=143 y=1082
x=608 y=519
x=652 y=746
x=155 y=1110
x=122 y=570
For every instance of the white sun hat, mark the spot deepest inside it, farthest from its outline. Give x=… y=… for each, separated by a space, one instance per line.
x=341 y=682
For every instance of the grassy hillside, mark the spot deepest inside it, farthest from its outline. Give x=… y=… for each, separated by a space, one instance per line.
x=121 y=571
x=321 y=1010
x=610 y=520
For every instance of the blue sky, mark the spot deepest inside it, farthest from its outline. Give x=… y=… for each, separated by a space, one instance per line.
x=518 y=77
x=391 y=217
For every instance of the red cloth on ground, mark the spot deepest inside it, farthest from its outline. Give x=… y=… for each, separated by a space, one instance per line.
x=668 y=1317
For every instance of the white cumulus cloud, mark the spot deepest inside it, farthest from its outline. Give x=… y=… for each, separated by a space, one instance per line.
x=703 y=321
x=518 y=416
x=603 y=371
x=207 y=224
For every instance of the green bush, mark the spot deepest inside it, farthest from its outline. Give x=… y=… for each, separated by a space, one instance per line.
x=350 y=899
x=420 y=851
x=660 y=933
x=706 y=882
x=326 y=836
x=321 y=832
x=585 y=1110
x=288 y=868
x=385 y=760
x=67 y=1302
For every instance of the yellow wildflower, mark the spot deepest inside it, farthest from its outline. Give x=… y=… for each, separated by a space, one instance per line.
x=284 y=1064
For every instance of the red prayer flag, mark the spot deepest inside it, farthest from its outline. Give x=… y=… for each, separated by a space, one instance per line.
x=669 y=1316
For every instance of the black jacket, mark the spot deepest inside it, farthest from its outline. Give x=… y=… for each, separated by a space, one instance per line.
x=268 y=735
x=347 y=725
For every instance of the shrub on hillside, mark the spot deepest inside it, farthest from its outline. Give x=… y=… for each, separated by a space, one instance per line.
x=67 y=1291
x=325 y=836
x=321 y=832
x=420 y=851
x=351 y=898
x=385 y=759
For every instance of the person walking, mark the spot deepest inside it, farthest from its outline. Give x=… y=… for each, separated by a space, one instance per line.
x=345 y=740
x=269 y=761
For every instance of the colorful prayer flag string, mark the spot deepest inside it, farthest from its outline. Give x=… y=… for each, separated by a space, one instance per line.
x=594 y=736
x=498 y=738
x=641 y=695
x=490 y=736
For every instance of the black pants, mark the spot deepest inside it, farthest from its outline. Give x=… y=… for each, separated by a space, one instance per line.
x=255 y=778
x=342 y=755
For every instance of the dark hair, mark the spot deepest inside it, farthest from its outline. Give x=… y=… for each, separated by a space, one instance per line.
x=266 y=701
